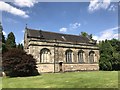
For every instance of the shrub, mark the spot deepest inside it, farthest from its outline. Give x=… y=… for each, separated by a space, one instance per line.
x=17 y=63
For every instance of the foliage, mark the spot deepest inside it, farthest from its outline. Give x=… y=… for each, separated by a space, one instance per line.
x=20 y=46
x=109 y=55
x=4 y=49
x=1 y=34
x=17 y=63
x=84 y=34
x=10 y=42
x=1 y=28
x=2 y=39
x=91 y=36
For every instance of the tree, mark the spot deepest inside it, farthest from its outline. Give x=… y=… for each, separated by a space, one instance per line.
x=84 y=34
x=10 y=42
x=20 y=46
x=115 y=44
x=115 y=60
x=91 y=36
x=106 y=53
x=1 y=29
x=2 y=39
x=109 y=55
x=17 y=63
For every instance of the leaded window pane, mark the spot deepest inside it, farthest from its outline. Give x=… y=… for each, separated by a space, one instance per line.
x=80 y=57
x=45 y=55
x=68 y=56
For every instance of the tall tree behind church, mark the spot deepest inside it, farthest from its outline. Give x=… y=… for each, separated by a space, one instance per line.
x=10 y=42
x=20 y=46
x=2 y=39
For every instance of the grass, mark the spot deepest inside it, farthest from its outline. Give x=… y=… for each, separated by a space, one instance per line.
x=97 y=79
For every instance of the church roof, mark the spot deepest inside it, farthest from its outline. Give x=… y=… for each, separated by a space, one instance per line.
x=40 y=34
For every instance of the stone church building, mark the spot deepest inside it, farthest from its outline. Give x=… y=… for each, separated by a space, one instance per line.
x=56 y=52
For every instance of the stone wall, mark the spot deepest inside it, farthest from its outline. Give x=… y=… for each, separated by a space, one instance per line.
x=45 y=68
x=57 y=54
x=80 y=67
x=67 y=67
x=60 y=54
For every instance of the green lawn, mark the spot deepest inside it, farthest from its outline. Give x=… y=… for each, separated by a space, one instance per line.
x=95 y=79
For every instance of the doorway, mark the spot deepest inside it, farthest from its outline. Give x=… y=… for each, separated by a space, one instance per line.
x=60 y=66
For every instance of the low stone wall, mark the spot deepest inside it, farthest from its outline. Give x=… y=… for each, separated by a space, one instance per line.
x=67 y=67
x=45 y=68
x=80 y=67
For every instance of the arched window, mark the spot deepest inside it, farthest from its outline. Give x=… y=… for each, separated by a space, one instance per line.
x=44 y=55
x=80 y=56
x=69 y=56
x=91 y=56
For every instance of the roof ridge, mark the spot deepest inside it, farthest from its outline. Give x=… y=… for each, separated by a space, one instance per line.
x=54 y=35
x=55 y=32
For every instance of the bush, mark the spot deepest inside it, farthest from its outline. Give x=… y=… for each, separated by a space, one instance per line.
x=17 y=63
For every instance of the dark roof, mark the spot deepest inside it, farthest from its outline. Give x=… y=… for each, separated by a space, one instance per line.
x=56 y=36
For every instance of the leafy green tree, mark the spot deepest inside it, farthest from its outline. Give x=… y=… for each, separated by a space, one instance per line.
x=84 y=34
x=10 y=42
x=91 y=36
x=115 y=60
x=106 y=53
x=115 y=44
x=2 y=39
x=109 y=55
x=1 y=33
x=1 y=29
x=20 y=46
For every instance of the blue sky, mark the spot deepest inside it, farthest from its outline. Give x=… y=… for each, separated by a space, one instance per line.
x=97 y=18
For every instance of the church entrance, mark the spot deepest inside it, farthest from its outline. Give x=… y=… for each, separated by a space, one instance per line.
x=60 y=66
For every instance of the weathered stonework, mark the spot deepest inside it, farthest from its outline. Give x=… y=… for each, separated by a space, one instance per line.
x=56 y=54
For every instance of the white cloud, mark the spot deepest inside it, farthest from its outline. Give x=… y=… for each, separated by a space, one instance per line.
x=63 y=30
x=112 y=7
x=25 y=3
x=105 y=4
x=71 y=27
x=107 y=34
x=4 y=33
x=95 y=37
x=13 y=10
x=93 y=5
x=98 y=4
x=75 y=25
